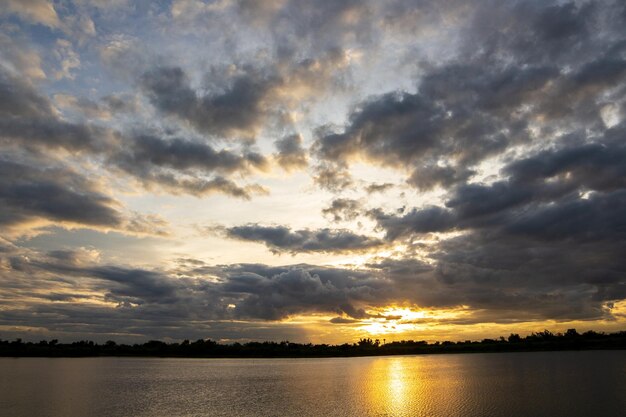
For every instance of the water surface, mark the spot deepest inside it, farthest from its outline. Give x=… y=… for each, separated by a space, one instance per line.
x=504 y=384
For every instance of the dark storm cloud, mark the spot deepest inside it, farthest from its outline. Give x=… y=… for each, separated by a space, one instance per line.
x=486 y=100
x=241 y=100
x=283 y=239
x=28 y=192
x=181 y=155
x=543 y=238
x=178 y=165
x=195 y=298
x=237 y=110
x=273 y=294
x=546 y=242
x=19 y=98
x=157 y=303
x=431 y=219
x=549 y=180
x=28 y=119
x=403 y=130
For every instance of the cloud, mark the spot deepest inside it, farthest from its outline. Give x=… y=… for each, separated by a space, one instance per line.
x=483 y=102
x=36 y=11
x=332 y=178
x=174 y=303
x=378 y=188
x=426 y=220
x=544 y=242
x=570 y=175
x=235 y=112
x=30 y=120
x=241 y=100
x=283 y=239
x=82 y=105
x=19 y=57
x=125 y=56
x=56 y=194
x=343 y=320
x=177 y=184
x=68 y=59
x=114 y=299
x=505 y=121
x=175 y=165
x=36 y=194
x=183 y=155
x=343 y=209
x=291 y=155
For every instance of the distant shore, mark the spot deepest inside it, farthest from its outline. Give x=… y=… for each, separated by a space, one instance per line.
x=541 y=341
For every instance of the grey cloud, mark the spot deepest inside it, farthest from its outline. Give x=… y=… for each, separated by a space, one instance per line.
x=291 y=155
x=378 y=188
x=148 y=300
x=546 y=242
x=283 y=239
x=343 y=320
x=57 y=194
x=332 y=178
x=181 y=155
x=597 y=166
x=343 y=209
x=402 y=129
x=177 y=165
x=428 y=177
x=28 y=118
x=485 y=100
x=321 y=26
x=35 y=11
x=35 y=193
x=236 y=111
x=19 y=98
x=486 y=273
x=430 y=219
x=120 y=103
x=295 y=291
x=241 y=100
x=553 y=178
x=598 y=217
x=81 y=105
x=193 y=185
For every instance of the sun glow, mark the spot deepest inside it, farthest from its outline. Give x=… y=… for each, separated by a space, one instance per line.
x=398 y=320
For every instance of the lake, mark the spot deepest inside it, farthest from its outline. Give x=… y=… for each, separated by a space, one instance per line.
x=589 y=383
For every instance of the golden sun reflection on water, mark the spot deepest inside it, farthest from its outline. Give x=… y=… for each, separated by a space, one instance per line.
x=390 y=386
x=397 y=386
x=412 y=386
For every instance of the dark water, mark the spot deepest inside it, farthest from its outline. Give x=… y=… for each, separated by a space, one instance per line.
x=509 y=384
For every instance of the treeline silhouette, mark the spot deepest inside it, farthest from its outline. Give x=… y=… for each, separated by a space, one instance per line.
x=541 y=341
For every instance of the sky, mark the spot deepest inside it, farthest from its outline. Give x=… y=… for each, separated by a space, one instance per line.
x=312 y=171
